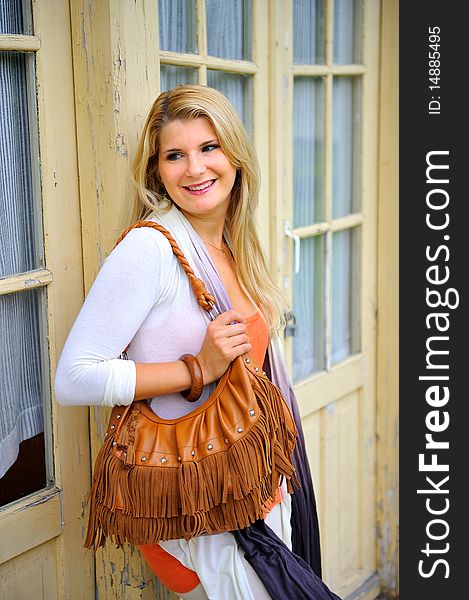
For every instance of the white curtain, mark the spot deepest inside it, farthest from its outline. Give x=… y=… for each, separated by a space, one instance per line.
x=347 y=31
x=21 y=394
x=308 y=39
x=343 y=132
x=308 y=308
x=178 y=25
x=341 y=295
x=170 y=76
x=238 y=90
x=229 y=28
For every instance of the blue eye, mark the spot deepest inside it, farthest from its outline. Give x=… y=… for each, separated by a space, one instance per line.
x=210 y=147
x=173 y=156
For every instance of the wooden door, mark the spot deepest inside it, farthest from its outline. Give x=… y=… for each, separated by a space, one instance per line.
x=325 y=219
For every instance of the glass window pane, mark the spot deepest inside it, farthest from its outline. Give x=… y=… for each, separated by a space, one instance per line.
x=238 y=90
x=308 y=28
x=229 y=32
x=308 y=308
x=346 y=117
x=15 y=17
x=21 y=380
x=308 y=151
x=347 y=31
x=170 y=76
x=345 y=294
x=178 y=25
x=18 y=251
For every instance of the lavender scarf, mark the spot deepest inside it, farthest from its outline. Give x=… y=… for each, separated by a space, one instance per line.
x=285 y=574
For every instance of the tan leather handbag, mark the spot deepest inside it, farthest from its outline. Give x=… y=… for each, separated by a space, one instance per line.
x=207 y=472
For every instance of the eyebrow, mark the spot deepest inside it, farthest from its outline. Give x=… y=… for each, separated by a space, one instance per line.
x=214 y=141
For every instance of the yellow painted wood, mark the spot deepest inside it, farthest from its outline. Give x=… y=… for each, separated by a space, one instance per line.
x=201 y=30
x=116 y=69
x=261 y=140
x=336 y=225
x=32 y=576
x=347 y=222
x=30 y=522
x=20 y=43
x=280 y=129
x=340 y=429
x=25 y=281
x=212 y=62
x=388 y=303
x=367 y=321
x=341 y=380
x=312 y=432
x=321 y=70
x=369 y=590
x=115 y=50
x=74 y=569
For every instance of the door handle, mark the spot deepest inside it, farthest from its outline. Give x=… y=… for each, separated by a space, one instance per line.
x=296 y=241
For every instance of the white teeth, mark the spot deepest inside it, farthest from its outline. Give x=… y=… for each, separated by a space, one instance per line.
x=197 y=188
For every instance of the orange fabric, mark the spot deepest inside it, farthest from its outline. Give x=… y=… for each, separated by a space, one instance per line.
x=258 y=332
x=169 y=570
x=268 y=506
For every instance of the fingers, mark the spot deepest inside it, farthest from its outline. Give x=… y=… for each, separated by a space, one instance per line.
x=234 y=330
x=238 y=340
x=228 y=317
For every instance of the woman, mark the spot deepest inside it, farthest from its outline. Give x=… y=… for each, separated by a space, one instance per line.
x=196 y=174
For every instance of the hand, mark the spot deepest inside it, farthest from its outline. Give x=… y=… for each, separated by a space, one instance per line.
x=223 y=342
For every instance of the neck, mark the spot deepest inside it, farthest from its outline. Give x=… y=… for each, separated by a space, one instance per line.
x=209 y=229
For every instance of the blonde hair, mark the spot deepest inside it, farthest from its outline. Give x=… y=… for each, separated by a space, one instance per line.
x=186 y=102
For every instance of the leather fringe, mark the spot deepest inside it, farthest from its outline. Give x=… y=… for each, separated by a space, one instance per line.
x=221 y=492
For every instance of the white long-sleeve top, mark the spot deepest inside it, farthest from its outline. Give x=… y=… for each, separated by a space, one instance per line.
x=141 y=295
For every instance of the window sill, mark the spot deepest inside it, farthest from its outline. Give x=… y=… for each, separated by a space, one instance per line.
x=30 y=522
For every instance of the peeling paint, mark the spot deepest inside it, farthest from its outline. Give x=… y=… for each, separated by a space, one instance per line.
x=91 y=129
x=38 y=501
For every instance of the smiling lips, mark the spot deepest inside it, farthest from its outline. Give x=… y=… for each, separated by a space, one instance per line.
x=200 y=188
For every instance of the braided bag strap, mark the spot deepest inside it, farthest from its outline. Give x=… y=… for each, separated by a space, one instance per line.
x=204 y=298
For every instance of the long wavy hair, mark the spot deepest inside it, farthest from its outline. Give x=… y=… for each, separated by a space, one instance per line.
x=186 y=102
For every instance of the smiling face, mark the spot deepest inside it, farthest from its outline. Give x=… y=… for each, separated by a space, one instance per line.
x=197 y=175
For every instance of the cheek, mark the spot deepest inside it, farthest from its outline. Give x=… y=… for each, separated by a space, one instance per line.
x=166 y=175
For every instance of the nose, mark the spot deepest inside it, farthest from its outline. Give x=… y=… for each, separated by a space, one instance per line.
x=195 y=165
